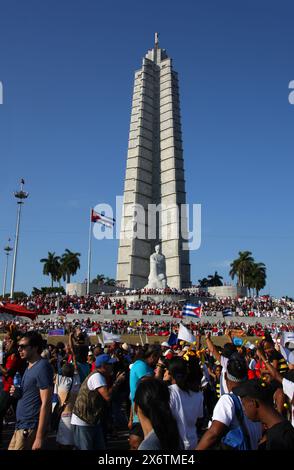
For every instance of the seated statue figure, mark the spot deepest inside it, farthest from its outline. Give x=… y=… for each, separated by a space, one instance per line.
x=157 y=277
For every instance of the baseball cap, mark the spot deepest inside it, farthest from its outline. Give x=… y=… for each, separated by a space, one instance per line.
x=104 y=359
x=165 y=344
x=125 y=347
x=255 y=388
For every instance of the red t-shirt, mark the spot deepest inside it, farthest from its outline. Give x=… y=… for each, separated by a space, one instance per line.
x=13 y=362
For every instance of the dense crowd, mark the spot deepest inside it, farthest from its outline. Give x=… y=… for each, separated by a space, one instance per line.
x=174 y=396
x=147 y=327
x=264 y=306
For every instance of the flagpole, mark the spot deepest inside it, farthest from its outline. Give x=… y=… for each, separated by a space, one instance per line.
x=89 y=253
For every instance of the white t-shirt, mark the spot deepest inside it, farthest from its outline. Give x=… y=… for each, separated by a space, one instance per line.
x=95 y=381
x=288 y=389
x=186 y=409
x=206 y=377
x=224 y=412
x=223 y=384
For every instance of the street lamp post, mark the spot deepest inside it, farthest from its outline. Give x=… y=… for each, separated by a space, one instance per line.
x=20 y=196
x=7 y=250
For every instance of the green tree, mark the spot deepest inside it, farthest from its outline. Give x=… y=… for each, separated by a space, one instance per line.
x=215 y=280
x=70 y=263
x=109 y=281
x=47 y=290
x=203 y=282
x=256 y=278
x=99 y=279
x=51 y=266
x=241 y=268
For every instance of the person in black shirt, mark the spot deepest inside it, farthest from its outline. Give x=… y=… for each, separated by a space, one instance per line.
x=257 y=400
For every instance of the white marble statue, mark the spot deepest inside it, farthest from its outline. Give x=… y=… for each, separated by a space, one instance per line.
x=157 y=277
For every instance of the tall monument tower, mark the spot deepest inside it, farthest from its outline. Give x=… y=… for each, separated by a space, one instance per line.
x=154 y=175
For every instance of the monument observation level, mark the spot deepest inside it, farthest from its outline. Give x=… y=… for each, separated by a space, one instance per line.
x=154 y=176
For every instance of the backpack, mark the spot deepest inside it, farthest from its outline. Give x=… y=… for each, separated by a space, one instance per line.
x=238 y=438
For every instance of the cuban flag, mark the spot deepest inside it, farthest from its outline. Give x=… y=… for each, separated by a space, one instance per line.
x=227 y=312
x=192 y=310
x=102 y=219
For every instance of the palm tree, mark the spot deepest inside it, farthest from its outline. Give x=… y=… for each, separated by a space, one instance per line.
x=215 y=280
x=257 y=277
x=70 y=263
x=109 y=281
x=51 y=266
x=203 y=282
x=241 y=267
x=99 y=279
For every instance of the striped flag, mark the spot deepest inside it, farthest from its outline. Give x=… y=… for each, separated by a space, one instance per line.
x=227 y=312
x=102 y=219
x=192 y=310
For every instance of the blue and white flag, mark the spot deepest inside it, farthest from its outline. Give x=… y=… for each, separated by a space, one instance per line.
x=192 y=310
x=227 y=312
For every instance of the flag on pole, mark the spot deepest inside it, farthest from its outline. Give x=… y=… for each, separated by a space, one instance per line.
x=102 y=219
x=227 y=312
x=192 y=310
x=185 y=334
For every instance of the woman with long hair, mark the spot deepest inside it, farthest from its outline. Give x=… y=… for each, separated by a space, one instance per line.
x=186 y=401
x=152 y=405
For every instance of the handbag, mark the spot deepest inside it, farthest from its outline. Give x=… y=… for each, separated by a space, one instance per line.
x=238 y=438
x=59 y=409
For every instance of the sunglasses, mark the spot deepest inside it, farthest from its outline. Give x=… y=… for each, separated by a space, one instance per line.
x=23 y=346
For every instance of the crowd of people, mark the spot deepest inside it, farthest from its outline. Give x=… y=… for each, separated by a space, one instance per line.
x=174 y=396
x=146 y=327
x=264 y=306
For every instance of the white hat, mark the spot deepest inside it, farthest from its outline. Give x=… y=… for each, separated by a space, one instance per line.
x=168 y=351
x=165 y=344
x=125 y=347
x=186 y=348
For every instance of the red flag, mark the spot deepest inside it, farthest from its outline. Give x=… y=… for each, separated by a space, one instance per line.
x=17 y=310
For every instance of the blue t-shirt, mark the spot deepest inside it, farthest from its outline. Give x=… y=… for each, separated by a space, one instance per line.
x=84 y=370
x=38 y=377
x=138 y=370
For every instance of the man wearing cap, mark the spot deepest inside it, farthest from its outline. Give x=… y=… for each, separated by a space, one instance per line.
x=88 y=409
x=257 y=400
x=225 y=415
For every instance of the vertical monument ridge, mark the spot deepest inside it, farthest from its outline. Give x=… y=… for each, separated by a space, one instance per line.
x=154 y=175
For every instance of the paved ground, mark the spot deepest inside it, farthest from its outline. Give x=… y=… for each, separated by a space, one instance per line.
x=118 y=442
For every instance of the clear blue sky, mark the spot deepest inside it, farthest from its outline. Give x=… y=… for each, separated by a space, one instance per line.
x=67 y=69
